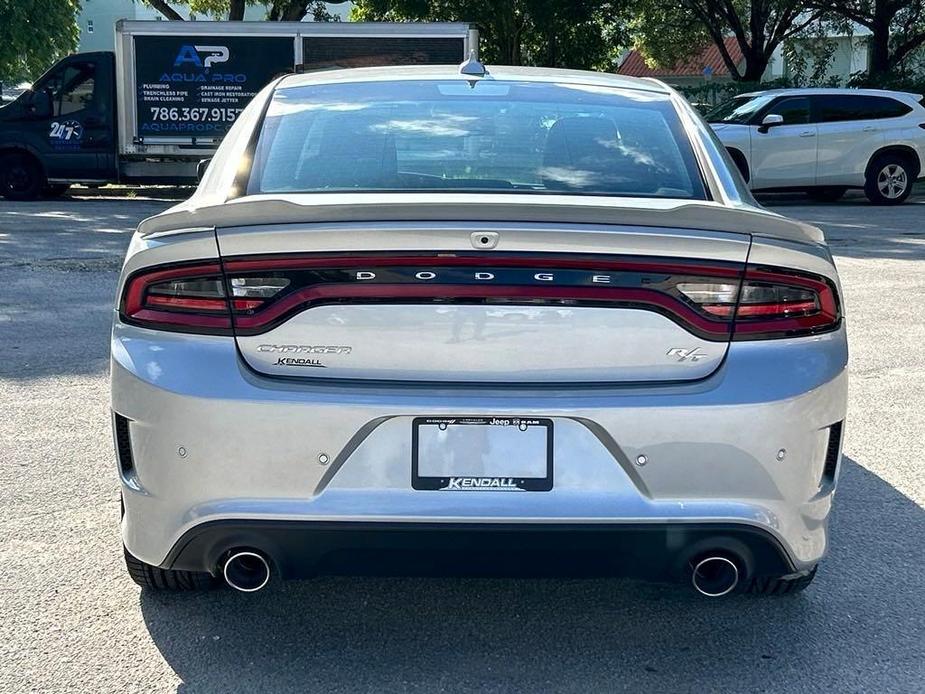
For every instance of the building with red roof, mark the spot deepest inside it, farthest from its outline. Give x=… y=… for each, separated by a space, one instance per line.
x=708 y=65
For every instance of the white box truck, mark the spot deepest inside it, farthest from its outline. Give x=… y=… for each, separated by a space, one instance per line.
x=161 y=102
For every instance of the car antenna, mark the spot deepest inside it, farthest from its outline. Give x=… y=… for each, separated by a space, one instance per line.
x=471 y=67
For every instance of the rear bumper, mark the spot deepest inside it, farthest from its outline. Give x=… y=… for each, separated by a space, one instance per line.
x=214 y=443
x=298 y=549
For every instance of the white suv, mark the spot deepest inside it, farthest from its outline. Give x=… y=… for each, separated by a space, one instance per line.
x=825 y=141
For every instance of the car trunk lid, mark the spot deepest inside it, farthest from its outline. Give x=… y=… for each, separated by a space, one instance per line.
x=475 y=302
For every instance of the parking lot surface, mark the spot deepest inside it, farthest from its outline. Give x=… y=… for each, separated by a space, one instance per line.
x=71 y=619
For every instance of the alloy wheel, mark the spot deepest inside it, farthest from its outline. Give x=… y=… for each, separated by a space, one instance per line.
x=892 y=181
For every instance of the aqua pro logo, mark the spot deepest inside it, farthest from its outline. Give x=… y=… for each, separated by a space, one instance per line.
x=201 y=56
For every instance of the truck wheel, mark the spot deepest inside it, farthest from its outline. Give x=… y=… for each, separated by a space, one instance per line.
x=21 y=177
x=781 y=586
x=55 y=190
x=155 y=578
x=889 y=179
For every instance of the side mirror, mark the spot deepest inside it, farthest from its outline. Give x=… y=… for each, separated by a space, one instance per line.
x=39 y=104
x=769 y=121
x=201 y=168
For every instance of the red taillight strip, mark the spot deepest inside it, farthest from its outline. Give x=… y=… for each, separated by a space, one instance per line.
x=134 y=295
x=206 y=314
x=196 y=304
x=187 y=303
x=135 y=307
x=826 y=318
x=331 y=293
x=170 y=319
x=539 y=261
x=749 y=310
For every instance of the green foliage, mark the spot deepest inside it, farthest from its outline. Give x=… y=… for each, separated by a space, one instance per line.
x=553 y=33
x=277 y=10
x=705 y=96
x=808 y=60
x=34 y=34
x=911 y=82
x=215 y=9
x=897 y=30
x=665 y=33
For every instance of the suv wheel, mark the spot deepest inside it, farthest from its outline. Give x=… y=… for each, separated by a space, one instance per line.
x=781 y=586
x=155 y=578
x=826 y=194
x=889 y=179
x=21 y=177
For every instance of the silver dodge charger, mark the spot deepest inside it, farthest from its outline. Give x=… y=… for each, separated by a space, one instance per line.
x=459 y=319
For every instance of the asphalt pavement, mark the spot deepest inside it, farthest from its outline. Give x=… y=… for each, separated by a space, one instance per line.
x=71 y=619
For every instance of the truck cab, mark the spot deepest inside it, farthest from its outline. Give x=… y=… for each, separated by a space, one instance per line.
x=62 y=130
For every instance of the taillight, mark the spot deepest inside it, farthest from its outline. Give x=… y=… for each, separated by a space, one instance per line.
x=769 y=304
x=717 y=301
x=775 y=303
x=193 y=298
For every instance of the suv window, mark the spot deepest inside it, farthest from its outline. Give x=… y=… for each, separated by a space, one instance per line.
x=739 y=109
x=889 y=108
x=794 y=110
x=848 y=107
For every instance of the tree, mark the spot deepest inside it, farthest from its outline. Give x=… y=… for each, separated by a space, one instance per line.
x=897 y=29
x=667 y=32
x=553 y=33
x=297 y=10
x=34 y=34
x=233 y=10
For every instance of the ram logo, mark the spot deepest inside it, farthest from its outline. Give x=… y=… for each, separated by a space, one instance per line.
x=190 y=54
x=684 y=354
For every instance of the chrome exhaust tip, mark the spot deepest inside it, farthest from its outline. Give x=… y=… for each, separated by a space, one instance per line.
x=715 y=577
x=247 y=571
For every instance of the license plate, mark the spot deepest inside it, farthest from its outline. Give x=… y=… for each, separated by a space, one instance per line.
x=481 y=454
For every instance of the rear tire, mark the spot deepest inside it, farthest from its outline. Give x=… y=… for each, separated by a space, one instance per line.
x=827 y=194
x=889 y=179
x=21 y=177
x=781 y=586
x=155 y=578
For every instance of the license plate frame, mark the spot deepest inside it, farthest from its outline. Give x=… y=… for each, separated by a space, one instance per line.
x=463 y=482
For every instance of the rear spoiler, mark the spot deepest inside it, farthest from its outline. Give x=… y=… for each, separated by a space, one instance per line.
x=460 y=207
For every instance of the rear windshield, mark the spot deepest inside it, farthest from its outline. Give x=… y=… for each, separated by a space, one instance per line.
x=493 y=136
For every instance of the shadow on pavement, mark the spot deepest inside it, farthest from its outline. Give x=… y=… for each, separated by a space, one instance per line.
x=857 y=628
x=856 y=229
x=69 y=228
x=55 y=318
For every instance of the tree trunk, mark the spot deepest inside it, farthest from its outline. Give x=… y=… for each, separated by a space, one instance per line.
x=552 y=53
x=296 y=12
x=236 y=10
x=756 y=62
x=287 y=10
x=754 y=69
x=879 y=48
